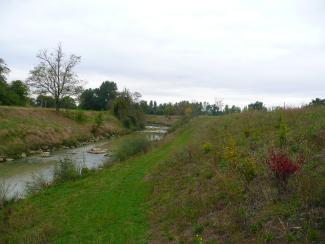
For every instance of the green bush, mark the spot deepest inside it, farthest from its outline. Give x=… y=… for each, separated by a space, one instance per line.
x=81 y=117
x=66 y=170
x=206 y=147
x=99 y=120
x=78 y=116
x=131 y=145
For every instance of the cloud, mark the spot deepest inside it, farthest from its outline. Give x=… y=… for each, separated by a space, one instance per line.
x=171 y=50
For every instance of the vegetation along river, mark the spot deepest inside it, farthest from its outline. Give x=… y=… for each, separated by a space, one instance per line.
x=15 y=174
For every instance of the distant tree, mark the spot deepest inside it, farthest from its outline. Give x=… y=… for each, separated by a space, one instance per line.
x=68 y=102
x=88 y=100
x=128 y=110
x=99 y=98
x=54 y=75
x=19 y=93
x=106 y=94
x=4 y=70
x=144 y=106
x=257 y=106
x=168 y=111
x=232 y=109
x=45 y=101
x=218 y=105
x=235 y=109
x=317 y=101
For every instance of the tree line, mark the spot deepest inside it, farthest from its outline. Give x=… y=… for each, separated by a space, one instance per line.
x=54 y=84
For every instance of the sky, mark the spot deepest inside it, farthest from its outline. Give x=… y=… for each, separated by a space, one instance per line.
x=236 y=51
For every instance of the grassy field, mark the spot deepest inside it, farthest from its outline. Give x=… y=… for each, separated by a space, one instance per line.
x=220 y=188
x=23 y=129
x=108 y=206
x=209 y=182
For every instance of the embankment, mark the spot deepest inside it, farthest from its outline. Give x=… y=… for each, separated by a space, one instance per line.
x=26 y=129
x=209 y=182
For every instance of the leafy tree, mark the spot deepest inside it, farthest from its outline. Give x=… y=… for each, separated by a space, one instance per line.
x=19 y=93
x=128 y=110
x=99 y=98
x=88 y=99
x=257 y=106
x=54 y=75
x=144 y=106
x=45 y=101
x=4 y=70
x=49 y=102
x=68 y=102
x=317 y=101
x=232 y=109
x=106 y=94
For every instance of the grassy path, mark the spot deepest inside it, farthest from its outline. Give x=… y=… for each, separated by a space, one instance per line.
x=108 y=207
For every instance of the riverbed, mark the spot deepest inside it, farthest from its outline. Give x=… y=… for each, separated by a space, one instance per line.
x=14 y=175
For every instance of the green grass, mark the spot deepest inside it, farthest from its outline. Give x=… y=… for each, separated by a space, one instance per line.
x=219 y=188
x=24 y=129
x=106 y=207
x=208 y=182
x=131 y=145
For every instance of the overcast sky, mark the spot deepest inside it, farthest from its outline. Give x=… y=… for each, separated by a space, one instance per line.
x=236 y=50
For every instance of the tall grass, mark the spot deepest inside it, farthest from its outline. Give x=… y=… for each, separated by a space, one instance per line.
x=222 y=189
x=66 y=170
x=37 y=184
x=4 y=190
x=131 y=145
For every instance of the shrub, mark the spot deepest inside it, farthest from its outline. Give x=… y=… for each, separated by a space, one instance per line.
x=38 y=184
x=230 y=152
x=206 y=147
x=99 y=120
x=247 y=169
x=282 y=166
x=66 y=170
x=131 y=145
x=81 y=117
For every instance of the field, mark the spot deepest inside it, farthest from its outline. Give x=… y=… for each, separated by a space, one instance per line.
x=24 y=129
x=209 y=181
x=109 y=206
x=220 y=188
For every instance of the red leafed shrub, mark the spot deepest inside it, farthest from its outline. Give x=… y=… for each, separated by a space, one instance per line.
x=282 y=166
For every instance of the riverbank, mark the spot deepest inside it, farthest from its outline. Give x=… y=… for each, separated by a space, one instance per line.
x=17 y=174
x=24 y=131
x=209 y=181
x=107 y=206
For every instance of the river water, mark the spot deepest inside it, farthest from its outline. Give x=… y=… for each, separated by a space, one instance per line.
x=15 y=174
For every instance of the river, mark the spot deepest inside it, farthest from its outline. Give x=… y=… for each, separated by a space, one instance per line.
x=15 y=174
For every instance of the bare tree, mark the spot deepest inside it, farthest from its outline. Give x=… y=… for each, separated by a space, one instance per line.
x=54 y=75
x=4 y=70
x=218 y=104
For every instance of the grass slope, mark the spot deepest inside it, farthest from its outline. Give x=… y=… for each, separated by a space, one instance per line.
x=22 y=129
x=219 y=189
x=208 y=184
x=107 y=207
